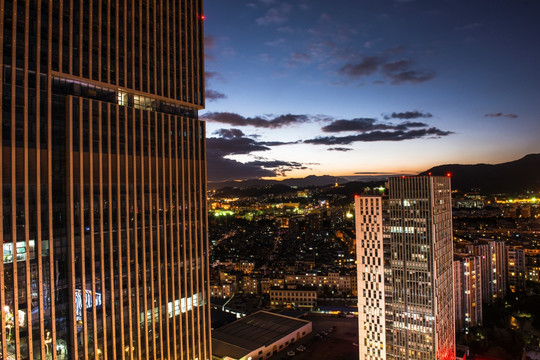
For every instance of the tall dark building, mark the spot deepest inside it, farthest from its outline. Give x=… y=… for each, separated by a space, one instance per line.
x=103 y=177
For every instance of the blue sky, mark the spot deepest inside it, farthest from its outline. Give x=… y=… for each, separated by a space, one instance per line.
x=354 y=87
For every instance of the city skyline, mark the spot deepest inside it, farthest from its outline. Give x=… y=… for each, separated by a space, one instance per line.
x=395 y=87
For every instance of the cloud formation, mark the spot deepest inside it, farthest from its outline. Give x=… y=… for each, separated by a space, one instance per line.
x=212 y=95
x=235 y=142
x=343 y=149
x=397 y=135
x=408 y=115
x=500 y=114
x=396 y=71
x=368 y=124
x=271 y=122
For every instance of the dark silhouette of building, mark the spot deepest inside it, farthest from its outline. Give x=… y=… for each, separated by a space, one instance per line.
x=104 y=224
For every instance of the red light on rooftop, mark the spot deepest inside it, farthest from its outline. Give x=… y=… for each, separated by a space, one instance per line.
x=429 y=174
x=202 y=17
x=448 y=175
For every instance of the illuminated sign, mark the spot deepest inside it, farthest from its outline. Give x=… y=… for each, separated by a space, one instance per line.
x=88 y=299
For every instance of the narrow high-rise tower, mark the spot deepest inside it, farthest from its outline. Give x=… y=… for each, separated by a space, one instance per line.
x=421 y=261
x=370 y=252
x=103 y=179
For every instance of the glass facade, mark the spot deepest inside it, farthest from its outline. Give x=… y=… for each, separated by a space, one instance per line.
x=421 y=265
x=103 y=177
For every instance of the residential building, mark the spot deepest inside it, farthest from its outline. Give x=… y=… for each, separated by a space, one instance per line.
x=515 y=268
x=493 y=255
x=292 y=296
x=468 y=291
x=103 y=181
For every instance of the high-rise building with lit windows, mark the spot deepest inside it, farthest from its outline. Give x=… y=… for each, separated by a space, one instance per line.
x=370 y=250
x=515 y=268
x=468 y=291
x=405 y=271
x=103 y=180
x=493 y=257
x=421 y=262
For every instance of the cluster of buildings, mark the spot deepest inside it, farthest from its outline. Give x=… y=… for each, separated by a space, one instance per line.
x=104 y=212
x=415 y=288
x=293 y=291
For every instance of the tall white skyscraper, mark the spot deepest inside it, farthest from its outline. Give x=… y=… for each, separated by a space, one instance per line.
x=370 y=260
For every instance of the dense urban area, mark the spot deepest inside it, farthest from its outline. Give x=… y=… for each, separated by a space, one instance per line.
x=292 y=250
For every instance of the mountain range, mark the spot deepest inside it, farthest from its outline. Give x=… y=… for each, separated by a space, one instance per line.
x=511 y=177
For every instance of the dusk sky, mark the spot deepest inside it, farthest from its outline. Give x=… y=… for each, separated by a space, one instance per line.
x=354 y=87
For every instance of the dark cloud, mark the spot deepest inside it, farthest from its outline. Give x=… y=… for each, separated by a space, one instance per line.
x=360 y=124
x=213 y=75
x=229 y=133
x=212 y=95
x=411 y=76
x=500 y=114
x=368 y=124
x=398 y=135
x=234 y=142
x=233 y=146
x=396 y=66
x=262 y=122
x=397 y=71
x=409 y=124
x=344 y=149
x=406 y=115
x=367 y=66
x=222 y=169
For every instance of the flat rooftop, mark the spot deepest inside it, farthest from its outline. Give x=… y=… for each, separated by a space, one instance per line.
x=252 y=332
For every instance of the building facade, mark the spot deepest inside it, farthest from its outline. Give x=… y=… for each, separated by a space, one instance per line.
x=515 y=268
x=370 y=280
x=493 y=257
x=421 y=262
x=104 y=224
x=292 y=296
x=468 y=291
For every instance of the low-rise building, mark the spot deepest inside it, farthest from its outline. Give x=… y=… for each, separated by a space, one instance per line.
x=257 y=336
x=222 y=291
x=250 y=285
x=292 y=296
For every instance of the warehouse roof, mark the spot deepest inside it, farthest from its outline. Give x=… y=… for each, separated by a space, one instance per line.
x=252 y=332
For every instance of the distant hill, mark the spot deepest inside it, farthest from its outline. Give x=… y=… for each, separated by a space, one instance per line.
x=511 y=177
x=307 y=181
